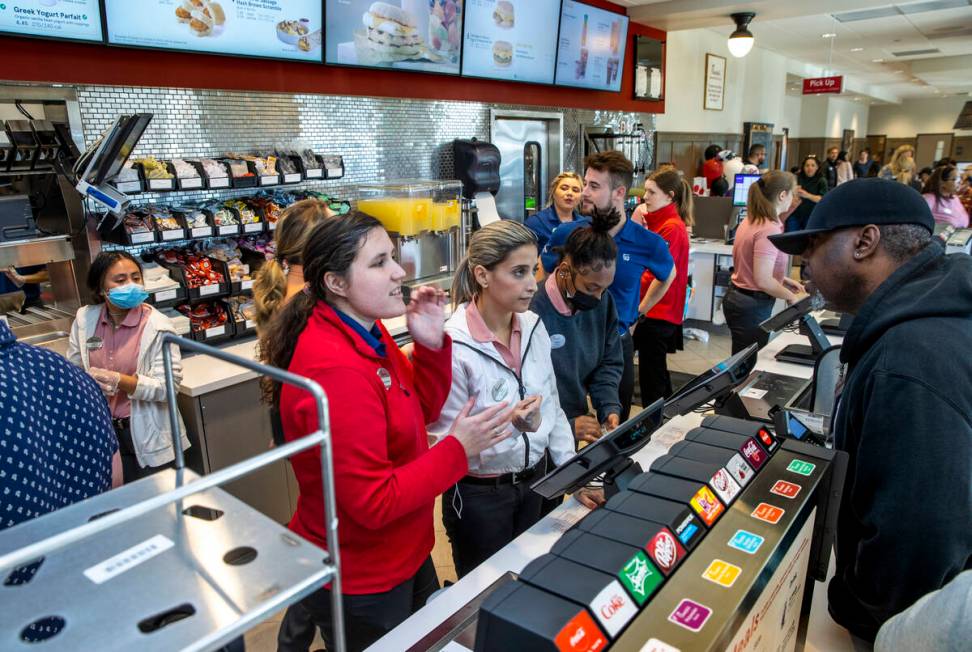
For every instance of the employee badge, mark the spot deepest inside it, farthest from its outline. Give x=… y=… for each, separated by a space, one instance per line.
x=94 y=342
x=499 y=390
x=385 y=377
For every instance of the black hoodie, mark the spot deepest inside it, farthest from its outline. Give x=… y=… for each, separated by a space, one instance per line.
x=905 y=417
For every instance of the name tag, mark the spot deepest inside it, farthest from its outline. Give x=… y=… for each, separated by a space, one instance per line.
x=94 y=343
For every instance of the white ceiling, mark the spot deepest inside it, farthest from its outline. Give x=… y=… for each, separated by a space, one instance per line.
x=876 y=51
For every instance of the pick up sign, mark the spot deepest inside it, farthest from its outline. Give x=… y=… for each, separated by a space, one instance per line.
x=817 y=85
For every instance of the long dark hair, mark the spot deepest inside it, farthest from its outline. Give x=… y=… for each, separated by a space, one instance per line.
x=592 y=246
x=802 y=174
x=331 y=247
x=99 y=269
x=937 y=179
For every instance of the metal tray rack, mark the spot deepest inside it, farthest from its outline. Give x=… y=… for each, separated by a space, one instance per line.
x=170 y=562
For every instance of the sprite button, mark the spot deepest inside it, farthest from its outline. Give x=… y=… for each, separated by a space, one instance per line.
x=640 y=577
x=801 y=467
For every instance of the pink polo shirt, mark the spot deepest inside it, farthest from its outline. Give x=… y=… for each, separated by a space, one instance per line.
x=481 y=333
x=556 y=298
x=948 y=210
x=752 y=242
x=119 y=351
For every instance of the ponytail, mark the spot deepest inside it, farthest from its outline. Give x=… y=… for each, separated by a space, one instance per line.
x=592 y=246
x=488 y=247
x=293 y=229
x=269 y=290
x=331 y=246
x=761 y=203
x=673 y=182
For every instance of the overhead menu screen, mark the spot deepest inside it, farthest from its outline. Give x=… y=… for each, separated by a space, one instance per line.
x=590 y=53
x=272 y=29
x=77 y=20
x=511 y=39
x=423 y=35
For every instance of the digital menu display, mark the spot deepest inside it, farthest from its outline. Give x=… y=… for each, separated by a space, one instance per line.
x=511 y=39
x=273 y=29
x=591 y=49
x=419 y=35
x=78 y=20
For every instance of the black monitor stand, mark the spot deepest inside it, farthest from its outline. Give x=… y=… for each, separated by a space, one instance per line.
x=801 y=353
x=839 y=326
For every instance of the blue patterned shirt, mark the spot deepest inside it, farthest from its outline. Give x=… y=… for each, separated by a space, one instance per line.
x=56 y=437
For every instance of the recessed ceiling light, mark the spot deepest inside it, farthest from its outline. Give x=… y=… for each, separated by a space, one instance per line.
x=857 y=49
x=828 y=35
x=877 y=60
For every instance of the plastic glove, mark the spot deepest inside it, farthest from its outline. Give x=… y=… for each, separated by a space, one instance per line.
x=107 y=380
x=15 y=278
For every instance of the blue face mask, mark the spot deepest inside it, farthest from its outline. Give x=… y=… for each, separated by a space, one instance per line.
x=127 y=296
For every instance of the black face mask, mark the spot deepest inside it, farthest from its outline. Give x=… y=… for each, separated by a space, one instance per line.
x=584 y=301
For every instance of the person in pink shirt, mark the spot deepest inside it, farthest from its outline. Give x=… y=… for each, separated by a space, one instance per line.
x=943 y=200
x=117 y=341
x=759 y=276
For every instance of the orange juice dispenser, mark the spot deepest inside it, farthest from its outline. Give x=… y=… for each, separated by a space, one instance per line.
x=423 y=219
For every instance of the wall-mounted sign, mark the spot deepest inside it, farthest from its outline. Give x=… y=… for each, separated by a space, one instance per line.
x=715 y=83
x=817 y=85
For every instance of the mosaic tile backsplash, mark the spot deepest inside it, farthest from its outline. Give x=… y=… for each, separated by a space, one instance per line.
x=380 y=138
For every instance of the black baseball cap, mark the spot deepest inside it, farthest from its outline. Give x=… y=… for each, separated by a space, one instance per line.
x=858 y=203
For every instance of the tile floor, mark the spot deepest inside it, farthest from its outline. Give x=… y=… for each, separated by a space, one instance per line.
x=696 y=358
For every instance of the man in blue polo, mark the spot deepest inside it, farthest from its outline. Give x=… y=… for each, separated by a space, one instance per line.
x=607 y=178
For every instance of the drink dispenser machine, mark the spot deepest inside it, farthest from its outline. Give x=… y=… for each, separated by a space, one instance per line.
x=423 y=219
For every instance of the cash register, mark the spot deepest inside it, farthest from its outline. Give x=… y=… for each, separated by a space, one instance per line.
x=800 y=353
x=717 y=544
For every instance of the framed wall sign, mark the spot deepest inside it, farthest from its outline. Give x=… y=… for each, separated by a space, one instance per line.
x=715 y=83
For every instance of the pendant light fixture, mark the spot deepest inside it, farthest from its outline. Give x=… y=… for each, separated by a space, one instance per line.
x=741 y=41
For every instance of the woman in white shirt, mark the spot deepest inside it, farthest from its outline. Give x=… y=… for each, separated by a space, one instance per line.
x=501 y=353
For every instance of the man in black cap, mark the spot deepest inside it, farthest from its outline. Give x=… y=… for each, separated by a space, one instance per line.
x=905 y=413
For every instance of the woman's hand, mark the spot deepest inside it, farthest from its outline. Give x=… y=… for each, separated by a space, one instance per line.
x=793 y=286
x=590 y=498
x=425 y=316
x=526 y=414
x=107 y=380
x=485 y=430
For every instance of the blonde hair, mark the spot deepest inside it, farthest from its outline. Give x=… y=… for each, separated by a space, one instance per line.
x=488 y=247
x=906 y=171
x=294 y=226
x=556 y=182
x=761 y=202
x=896 y=164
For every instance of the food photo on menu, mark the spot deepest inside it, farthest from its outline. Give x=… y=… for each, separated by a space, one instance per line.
x=409 y=34
x=505 y=39
x=591 y=47
x=280 y=29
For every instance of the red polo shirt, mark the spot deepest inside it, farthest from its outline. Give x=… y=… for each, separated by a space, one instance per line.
x=667 y=223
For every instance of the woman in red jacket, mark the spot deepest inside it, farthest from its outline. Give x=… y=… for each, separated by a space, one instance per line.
x=668 y=212
x=386 y=476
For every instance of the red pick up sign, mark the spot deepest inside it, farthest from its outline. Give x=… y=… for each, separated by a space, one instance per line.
x=816 y=85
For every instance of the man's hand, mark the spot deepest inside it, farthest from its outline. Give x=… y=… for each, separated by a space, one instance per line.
x=612 y=422
x=586 y=428
x=590 y=498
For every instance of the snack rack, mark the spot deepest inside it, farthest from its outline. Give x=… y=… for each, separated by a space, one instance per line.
x=170 y=562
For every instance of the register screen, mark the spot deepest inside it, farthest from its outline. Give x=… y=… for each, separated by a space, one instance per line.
x=272 y=29
x=78 y=20
x=740 y=192
x=511 y=39
x=590 y=53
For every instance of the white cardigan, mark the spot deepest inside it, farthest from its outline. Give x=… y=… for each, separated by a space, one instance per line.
x=151 y=433
x=477 y=367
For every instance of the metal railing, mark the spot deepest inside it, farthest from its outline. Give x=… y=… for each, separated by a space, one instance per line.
x=321 y=437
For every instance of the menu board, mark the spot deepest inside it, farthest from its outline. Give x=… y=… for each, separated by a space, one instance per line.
x=401 y=34
x=274 y=29
x=591 y=49
x=78 y=20
x=511 y=39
